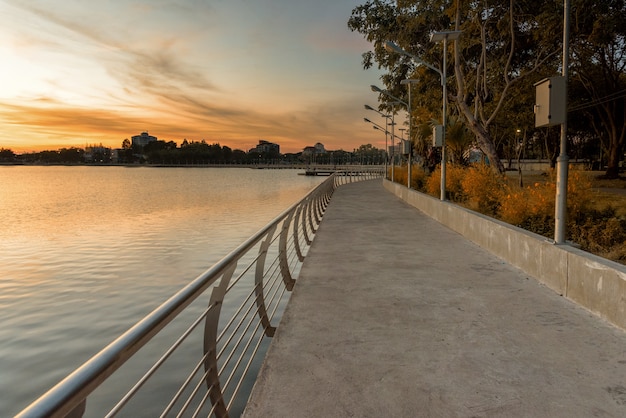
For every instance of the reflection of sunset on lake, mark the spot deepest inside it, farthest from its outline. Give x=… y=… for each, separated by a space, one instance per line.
x=86 y=252
x=229 y=72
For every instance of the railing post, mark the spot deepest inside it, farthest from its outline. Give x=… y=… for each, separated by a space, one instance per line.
x=309 y=215
x=258 y=284
x=305 y=233
x=317 y=209
x=284 y=259
x=210 y=343
x=296 y=240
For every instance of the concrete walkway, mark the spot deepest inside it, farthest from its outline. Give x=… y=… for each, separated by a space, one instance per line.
x=394 y=315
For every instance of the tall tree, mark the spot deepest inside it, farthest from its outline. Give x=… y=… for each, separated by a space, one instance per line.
x=599 y=72
x=6 y=155
x=499 y=47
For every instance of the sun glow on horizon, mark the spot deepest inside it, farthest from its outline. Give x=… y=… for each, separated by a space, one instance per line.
x=79 y=74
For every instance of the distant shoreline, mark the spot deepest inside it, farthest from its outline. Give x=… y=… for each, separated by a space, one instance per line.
x=257 y=166
x=252 y=166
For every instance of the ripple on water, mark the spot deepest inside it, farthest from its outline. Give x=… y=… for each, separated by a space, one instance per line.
x=88 y=251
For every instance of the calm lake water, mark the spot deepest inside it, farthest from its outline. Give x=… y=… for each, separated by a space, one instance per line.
x=85 y=252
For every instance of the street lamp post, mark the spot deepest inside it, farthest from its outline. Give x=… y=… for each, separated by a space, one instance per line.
x=391 y=47
x=409 y=168
x=380 y=128
x=401 y=143
x=396 y=101
x=560 y=210
x=367 y=107
x=435 y=37
x=393 y=137
x=393 y=142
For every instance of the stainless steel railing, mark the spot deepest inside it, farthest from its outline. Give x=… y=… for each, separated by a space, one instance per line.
x=246 y=294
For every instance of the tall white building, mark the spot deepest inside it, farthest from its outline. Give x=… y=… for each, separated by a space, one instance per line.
x=143 y=139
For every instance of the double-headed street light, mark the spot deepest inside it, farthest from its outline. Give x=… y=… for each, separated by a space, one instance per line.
x=380 y=128
x=435 y=37
x=367 y=107
x=396 y=101
x=391 y=47
x=375 y=125
x=386 y=132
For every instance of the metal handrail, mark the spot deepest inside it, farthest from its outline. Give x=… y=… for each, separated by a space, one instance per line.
x=264 y=278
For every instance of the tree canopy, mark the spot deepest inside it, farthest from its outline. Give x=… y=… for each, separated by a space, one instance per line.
x=505 y=48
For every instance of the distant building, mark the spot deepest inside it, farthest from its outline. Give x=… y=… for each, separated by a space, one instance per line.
x=266 y=147
x=143 y=139
x=317 y=149
x=97 y=154
x=308 y=151
x=115 y=155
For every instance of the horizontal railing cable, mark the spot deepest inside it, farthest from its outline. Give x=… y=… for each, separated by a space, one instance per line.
x=156 y=366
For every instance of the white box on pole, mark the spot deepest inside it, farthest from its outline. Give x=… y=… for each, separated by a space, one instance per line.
x=550 y=102
x=437 y=135
x=406 y=147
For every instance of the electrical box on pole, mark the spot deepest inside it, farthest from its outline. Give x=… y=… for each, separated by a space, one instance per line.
x=437 y=135
x=406 y=147
x=550 y=102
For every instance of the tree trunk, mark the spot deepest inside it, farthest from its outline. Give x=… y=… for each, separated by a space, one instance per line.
x=482 y=137
x=485 y=143
x=614 y=157
x=616 y=128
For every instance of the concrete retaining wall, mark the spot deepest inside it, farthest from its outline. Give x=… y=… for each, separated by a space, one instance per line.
x=593 y=282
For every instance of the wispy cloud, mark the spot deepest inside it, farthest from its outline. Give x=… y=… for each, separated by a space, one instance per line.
x=225 y=71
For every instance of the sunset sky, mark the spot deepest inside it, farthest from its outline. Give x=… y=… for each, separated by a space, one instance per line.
x=77 y=72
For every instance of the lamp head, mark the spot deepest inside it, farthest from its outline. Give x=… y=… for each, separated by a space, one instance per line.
x=367 y=120
x=451 y=35
x=391 y=47
x=368 y=107
x=375 y=89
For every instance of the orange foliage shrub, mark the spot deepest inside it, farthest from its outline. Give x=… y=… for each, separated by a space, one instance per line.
x=454 y=176
x=483 y=189
x=532 y=207
x=578 y=187
x=528 y=207
x=418 y=176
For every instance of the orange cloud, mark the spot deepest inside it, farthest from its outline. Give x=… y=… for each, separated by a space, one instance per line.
x=110 y=73
x=51 y=125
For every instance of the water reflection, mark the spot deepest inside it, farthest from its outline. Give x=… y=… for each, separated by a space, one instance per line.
x=87 y=251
